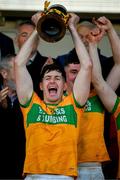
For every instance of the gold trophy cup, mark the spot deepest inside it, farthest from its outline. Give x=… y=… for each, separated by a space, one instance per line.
x=53 y=24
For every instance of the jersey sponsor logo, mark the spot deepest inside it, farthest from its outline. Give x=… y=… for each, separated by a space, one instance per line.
x=60 y=115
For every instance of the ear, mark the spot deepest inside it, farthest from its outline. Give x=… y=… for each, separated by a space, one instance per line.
x=65 y=86
x=41 y=86
x=4 y=73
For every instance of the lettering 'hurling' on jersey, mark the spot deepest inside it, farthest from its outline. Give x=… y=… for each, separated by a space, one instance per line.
x=66 y=112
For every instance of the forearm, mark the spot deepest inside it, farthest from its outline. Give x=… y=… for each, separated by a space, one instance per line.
x=81 y=50
x=113 y=78
x=96 y=67
x=115 y=44
x=24 y=53
x=106 y=94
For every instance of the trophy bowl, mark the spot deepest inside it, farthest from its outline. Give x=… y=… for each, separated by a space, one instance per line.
x=52 y=25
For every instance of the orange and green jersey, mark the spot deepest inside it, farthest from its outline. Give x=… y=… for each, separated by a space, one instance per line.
x=91 y=144
x=51 y=136
x=116 y=116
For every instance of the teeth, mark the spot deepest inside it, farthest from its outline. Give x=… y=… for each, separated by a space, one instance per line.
x=54 y=89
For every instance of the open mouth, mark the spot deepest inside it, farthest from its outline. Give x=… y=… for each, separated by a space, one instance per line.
x=52 y=91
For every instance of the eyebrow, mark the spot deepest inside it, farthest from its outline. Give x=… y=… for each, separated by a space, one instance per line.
x=51 y=75
x=23 y=33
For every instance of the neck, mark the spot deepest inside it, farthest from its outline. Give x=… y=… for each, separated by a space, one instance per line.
x=52 y=102
x=69 y=90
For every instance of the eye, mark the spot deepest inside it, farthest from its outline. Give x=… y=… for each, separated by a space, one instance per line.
x=24 y=35
x=74 y=72
x=47 y=78
x=58 y=78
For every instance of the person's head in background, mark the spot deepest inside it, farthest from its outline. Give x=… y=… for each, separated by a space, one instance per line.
x=7 y=71
x=71 y=67
x=84 y=28
x=24 y=30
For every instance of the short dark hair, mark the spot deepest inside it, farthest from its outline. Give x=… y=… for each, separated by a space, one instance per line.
x=72 y=58
x=52 y=67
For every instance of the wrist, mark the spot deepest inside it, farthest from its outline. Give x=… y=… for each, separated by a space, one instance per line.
x=72 y=27
x=110 y=30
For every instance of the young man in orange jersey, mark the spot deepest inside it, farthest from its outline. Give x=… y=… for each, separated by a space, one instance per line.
x=104 y=90
x=51 y=125
x=88 y=163
x=91 y=152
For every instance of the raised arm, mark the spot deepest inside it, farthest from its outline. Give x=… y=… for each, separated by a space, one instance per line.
x=82 y=82
x=106 y=94
x=24 y=83
x=104 y=91
x=113 y=78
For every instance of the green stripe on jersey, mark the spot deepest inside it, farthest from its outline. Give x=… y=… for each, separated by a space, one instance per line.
x=61 y=115
x=94 y=104
x=118 y=122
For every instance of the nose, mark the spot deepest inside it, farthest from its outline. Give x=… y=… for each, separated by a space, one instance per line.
x=52 y=80
x=84 y=39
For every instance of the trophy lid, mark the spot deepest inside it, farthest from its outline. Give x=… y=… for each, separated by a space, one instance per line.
x=59 y=7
